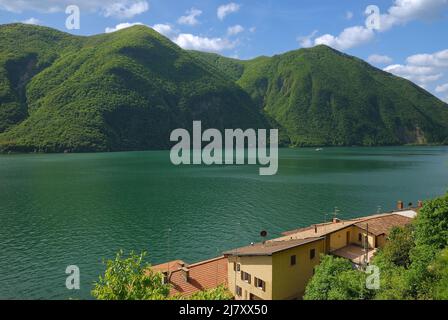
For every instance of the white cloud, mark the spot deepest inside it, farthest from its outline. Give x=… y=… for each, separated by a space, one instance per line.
x=231 y=31
x=227 y=9
x=404 y=11
x=165 y=29
x=401 y=12
x=307 y=41
x=379 y=59
x=253 y=29
x=194 y=42
x=184 y=40
x=418 y=74
x=348 y=38
x=32 y=21
x=125 y=10
x=191 y=17
x=437 y=59
x=442 y=88
x=121 y=26
x=349 y=15
x=424 y=69
x=110 y=8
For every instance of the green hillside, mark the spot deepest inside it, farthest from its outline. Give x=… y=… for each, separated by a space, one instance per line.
x=129 y=89
x=323 y=97
x=121 y=91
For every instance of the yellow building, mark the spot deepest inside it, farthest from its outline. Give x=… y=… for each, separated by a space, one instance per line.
x=273 y=270
x=279 y=269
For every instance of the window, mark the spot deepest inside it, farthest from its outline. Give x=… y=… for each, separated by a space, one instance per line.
x=260 y=284
x=359 y=237
x=239 y=291
x=312 y=254
x=236 y=267
x=245 y=277
x=293 y=260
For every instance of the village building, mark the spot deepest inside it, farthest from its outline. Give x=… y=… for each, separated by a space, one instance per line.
x=280 y=268
x=187 y=279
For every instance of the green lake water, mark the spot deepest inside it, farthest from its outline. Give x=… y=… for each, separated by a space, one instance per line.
x=76 y=209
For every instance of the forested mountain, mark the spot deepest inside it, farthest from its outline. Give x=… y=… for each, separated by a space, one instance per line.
x=121 y=91
x=129 y=89
x=323 y=97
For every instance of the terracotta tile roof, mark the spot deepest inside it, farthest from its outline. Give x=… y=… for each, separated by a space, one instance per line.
x=269 y=247
x=169 y=266
x=324 y=229
x=203 y=275
x=382 y=225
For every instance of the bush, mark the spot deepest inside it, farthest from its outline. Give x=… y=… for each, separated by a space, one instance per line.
x=130 y=278
x=335 y=279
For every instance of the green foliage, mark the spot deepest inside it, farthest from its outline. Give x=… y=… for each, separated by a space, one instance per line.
x=322 y=97
x=431 y=225
x=122 y=91
x=393 y=260
x=129 y=278
x=129 y=89
x=335 y=279
x=398 y=248
x=393 y=283
x=440 y=270
x=413 y=261
x=232 y=68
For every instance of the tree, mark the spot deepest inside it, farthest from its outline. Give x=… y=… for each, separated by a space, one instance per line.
x=130 y=278
x=412 y=261
x=440 y=270
x=431 y=224
x=393 y=284
x=431 y=236
x=399 y=245
x=335 y=279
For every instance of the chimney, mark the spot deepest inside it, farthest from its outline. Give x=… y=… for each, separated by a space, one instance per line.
x=185 y=273
x=400 y=205
x=420 y=204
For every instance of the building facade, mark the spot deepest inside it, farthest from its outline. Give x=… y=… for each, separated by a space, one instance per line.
x=280 y=268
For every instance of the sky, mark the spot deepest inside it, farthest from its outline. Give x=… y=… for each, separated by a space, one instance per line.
x=408 y=38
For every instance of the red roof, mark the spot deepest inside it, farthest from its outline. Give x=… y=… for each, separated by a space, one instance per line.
x=203 y=275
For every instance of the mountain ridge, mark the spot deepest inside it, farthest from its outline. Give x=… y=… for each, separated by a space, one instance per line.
x=122 y=91
x=421 y=120
x=128 y=89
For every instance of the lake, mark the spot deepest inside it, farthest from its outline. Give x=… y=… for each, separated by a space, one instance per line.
x=77 y=209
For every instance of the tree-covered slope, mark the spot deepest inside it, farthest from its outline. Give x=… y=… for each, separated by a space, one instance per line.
x=121 y=91
x=25 y=51
x=129 y=89
x=323 y=97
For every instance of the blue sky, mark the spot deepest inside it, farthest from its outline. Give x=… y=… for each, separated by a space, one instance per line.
x=411 y=40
